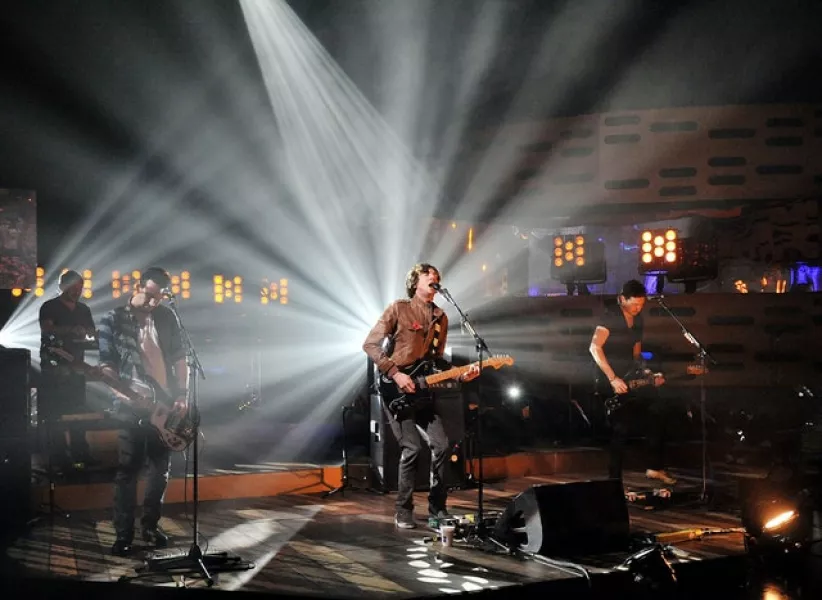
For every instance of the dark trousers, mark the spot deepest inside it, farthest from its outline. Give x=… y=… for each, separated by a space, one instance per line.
x=410 y=428
x=136 y=445
x=637 y=416
x=58 y=395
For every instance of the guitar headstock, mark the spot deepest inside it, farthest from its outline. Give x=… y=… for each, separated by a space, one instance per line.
x=696 y=369
x=498 y=361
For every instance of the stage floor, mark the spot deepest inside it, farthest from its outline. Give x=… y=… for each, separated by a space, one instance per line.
x=347 y=546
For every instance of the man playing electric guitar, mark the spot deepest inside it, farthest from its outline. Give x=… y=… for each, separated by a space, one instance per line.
x=141 y=343
x=616 y=347
x=418 y=329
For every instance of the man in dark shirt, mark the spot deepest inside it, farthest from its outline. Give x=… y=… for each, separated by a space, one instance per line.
x=419 y=329
x=616 y=347
x=68 y=322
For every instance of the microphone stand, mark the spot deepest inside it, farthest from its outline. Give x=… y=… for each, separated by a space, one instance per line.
x=481 y=347
x=195 y=561
x=703 y=357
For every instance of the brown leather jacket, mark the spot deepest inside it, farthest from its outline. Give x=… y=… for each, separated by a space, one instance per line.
x=412 y=323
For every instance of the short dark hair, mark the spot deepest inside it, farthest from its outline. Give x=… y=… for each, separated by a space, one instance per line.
x=156 y=274
x=68 y=279
x=413 y=277
x=633 y=289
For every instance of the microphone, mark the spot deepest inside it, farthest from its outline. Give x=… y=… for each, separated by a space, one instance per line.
x=435 y=286
x=167 y=293
x=656 y=296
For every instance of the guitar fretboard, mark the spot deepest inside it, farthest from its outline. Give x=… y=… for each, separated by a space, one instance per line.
x=445 y=375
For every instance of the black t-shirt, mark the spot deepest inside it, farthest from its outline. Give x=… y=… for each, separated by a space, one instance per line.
x=62 y=316
x=619 y=347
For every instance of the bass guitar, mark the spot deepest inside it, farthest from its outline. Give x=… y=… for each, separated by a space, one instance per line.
x=640 y=378
x=152 y=407
x=426 y=380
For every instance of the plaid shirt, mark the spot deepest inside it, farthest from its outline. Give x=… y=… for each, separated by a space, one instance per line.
x=120 y=346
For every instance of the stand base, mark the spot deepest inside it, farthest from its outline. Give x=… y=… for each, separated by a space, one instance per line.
x=195 y=562
x=49 y=513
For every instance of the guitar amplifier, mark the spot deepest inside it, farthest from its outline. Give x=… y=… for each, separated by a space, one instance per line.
x=385 y=450
x=15 y=392
x=15 y=485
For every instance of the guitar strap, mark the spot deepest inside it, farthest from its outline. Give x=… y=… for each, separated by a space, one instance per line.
x=435 y=339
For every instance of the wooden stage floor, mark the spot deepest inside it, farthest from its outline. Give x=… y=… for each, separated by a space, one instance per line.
x=345 y=546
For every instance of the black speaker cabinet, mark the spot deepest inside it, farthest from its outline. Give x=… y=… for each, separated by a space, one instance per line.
x=567 y=519
x=15 y=392
x=15 y=484
x=385 y=451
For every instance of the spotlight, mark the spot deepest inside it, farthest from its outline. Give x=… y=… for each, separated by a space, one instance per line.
x=576 y=259
x=776 y=518
x=697 y=261
x=660 y=251
x=514 y=392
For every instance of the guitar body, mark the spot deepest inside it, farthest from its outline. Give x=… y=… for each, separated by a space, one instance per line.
x=426 y=380
x=640 y=378
x=151 y=406
x=176 y=429
x=397 y=400
x=635 y=380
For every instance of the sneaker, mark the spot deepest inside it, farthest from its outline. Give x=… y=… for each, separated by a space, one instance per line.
x=660 y=475
x=440 y=514
x=404 y=519
x=121 y=547
x=155 y=537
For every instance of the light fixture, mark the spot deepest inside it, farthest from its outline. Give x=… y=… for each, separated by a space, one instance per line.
x=777 y=516
x=577 y=260
x=659 y=251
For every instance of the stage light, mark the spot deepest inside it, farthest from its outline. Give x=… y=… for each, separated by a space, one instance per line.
x=16 y=292
x=88 y=285
x=40 y=281
x=659 y=251
x=777 y=516
x=578 y=260
x=514 y=392
x=697 y=261
x=780 y=520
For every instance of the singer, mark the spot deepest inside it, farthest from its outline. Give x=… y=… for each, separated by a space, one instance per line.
x=415 y=329
x=616 y=348
x=140 y=343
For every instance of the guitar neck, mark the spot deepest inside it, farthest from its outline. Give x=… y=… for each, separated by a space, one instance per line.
x=453 y=373
x=638 y=383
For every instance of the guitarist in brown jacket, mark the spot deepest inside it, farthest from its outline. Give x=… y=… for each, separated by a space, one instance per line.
x=417 y=329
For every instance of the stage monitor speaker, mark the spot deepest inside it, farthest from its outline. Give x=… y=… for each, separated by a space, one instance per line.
x=15 y=484
x=15 y=392
x=385 y=450
x=567 y=519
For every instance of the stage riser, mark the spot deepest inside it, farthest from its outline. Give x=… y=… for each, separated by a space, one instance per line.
x=321 y=479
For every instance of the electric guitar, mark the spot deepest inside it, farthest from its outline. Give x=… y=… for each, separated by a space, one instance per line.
x=152 y=407
x=641 y=378
x=426 y=380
